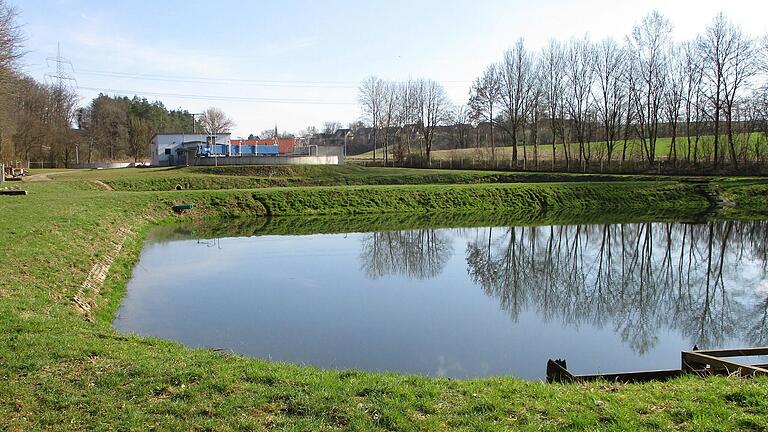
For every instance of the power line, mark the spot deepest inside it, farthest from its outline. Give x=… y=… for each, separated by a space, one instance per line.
x=200 y=80
x=222 y=98
x=254 y=82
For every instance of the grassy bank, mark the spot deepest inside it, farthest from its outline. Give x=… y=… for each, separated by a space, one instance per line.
x=248 y=177
x=60 y=371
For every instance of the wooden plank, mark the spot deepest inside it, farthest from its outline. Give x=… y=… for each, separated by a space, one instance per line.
x=735 y=352
x=693 y=360
x=13 y=192
x=639 y=376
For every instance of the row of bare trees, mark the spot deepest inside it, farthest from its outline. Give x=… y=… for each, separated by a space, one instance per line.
x=582 y=101
x=707 y=95
x=414 y=108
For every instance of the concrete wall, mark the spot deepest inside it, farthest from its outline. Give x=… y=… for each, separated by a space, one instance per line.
x=267 y=160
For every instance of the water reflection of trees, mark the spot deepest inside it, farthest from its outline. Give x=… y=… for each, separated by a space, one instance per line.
x=418 y=254
x=636 y=277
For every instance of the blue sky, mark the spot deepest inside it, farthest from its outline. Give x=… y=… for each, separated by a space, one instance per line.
x=297 y=63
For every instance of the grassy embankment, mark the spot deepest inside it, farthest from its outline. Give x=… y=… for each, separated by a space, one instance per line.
x=59 y=370
x=248 y=177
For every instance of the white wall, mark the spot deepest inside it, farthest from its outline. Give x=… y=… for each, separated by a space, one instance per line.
x=161 y=142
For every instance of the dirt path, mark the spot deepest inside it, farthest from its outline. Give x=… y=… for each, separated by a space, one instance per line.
x=42 y=177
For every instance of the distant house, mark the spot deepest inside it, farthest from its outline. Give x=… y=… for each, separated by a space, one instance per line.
x=169 y=149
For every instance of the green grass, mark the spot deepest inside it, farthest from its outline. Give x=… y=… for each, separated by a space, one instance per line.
x=59 y=371
x=249 y=177
x=635 y=149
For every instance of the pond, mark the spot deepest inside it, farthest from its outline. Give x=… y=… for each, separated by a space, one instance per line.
x=457 y=302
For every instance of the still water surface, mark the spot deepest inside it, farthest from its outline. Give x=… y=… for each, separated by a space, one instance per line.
x=463 y=302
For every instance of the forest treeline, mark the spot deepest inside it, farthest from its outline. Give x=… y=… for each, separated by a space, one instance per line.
x=602 y=98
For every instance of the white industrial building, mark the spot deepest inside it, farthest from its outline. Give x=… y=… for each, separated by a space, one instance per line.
x=169 y=149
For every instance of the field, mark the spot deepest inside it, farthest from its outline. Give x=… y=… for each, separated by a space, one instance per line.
x=63 y=367
x=634 y=150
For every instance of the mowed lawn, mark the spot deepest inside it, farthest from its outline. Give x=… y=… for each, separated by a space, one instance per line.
x=63 y=366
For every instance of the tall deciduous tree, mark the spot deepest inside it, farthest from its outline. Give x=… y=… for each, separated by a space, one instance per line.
x=728 y=62
x=388 y=113
x=611 y=93
x=371 y=96
x=648 y=47
x=434 y=108
x=10 y=52
x=139 y=135
x=484 y=96
x=215 y=121
x=552 y=82
x=580 y=78
x=517 y=85
x=674 y=94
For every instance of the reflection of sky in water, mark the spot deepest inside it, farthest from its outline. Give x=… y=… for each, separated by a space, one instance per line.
x=455 y=302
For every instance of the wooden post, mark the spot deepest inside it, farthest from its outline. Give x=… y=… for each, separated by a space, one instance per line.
x=2 y=173
x=557 y=372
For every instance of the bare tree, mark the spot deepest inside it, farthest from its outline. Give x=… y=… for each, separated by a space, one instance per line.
x=461 y=125
x=580 y=76
x=728 y=62
x=370 y=96
x=674 y=94
x=434 y=109
x=611 y=91
x=330 y=127
x=740 y=67
x=484 y=95
x=215 y=121
x=388 y=113
x=11 y=39
x=405 y=117
x=517 y=85
x=692 y=95
x=648 y=48
x=552 y=79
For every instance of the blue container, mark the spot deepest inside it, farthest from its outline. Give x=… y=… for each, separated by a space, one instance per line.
x=267 y=149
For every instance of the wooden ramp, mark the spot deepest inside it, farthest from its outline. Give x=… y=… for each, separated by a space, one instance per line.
x=699 y=362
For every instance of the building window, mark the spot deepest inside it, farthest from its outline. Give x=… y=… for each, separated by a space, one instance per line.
x=167 y=151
